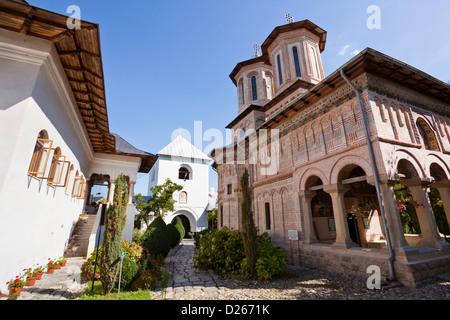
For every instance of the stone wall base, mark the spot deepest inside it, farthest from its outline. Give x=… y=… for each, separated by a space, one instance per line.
x=355 y=262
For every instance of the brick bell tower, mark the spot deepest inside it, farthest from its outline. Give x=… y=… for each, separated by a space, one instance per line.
x=290 y=63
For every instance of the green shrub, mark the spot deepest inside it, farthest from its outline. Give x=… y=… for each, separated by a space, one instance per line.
x=179 y=225
x=150 y=273
x=270 y=261
x=156 y=242
x=158 y=222
x=87 y=268
x=138 y=236
x=200 y=234
x=130 y=271
x=221 y=250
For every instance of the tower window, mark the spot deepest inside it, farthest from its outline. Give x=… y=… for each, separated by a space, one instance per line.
x=254 y=89
x=184 y=173
x=296 y=62
x=280 y=75
x=242 y=93
x=229 y=190
x=269 y=87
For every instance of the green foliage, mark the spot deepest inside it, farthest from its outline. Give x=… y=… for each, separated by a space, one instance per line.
x=130 y=271
x=270 y=261
x=150 y=274
x=112 y=238
x=158 y=222
x=132 y=250
x=156 y=242
x=439 y=212
x=407 y=208
x=160 y=203
x=223 y=251
x=87 y=268
x=249 y=233
x=179 y=225
x=173 y=234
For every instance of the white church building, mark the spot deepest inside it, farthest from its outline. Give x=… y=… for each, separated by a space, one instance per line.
x=187 y=166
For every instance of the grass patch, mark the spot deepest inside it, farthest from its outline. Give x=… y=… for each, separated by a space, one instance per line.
x=97 y=294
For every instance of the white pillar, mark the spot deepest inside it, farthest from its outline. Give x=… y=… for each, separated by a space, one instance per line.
x=131 y=191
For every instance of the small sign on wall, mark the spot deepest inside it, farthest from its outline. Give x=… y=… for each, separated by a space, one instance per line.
x=293 y=234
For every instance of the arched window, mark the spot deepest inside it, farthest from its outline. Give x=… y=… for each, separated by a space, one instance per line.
x=69 y=174
x=41 y=155
x=254 y=89
x=427 y=134
x=241 y=92
x=183 y=197
x=267 y=214
x=280 y=74
x=184 y=173
x=296 y=62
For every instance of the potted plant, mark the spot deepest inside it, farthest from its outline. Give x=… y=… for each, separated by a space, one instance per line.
x=51 y=266
x=31 y=276
x=39 y=271
x=15 y=286
x=61 y=262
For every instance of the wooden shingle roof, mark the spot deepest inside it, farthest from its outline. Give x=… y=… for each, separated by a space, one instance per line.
x=80 y=55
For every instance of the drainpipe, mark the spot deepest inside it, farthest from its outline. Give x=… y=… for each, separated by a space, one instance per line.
x=377 y=179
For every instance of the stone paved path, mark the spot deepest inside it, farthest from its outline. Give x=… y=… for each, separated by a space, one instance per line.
x=62 y=284
x=184 y=278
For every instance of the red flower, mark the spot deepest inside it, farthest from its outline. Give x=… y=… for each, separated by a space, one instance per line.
x=17 y=280
x=7 y=282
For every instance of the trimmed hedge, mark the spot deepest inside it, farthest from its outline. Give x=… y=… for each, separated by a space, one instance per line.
x=156 y=241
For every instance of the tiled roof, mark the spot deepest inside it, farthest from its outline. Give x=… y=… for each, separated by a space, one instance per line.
x=180 y=147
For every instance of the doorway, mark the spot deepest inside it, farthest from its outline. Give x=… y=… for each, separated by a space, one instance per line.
x=353 y=228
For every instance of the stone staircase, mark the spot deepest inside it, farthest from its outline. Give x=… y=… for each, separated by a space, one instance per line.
x=83 y=235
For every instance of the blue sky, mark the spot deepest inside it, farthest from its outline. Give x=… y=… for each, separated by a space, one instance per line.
x=167 y=63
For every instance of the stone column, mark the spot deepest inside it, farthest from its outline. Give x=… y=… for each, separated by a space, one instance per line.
x=444 y=191
x=305 y=198
x=427 y=221
x=394 y=222
x=131 y=191
x=343 y=240
x=112 y=185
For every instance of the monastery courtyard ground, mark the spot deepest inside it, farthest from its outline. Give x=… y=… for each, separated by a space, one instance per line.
x=297 y=283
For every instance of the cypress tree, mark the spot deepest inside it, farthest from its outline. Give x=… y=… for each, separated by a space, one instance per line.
x=248 y=225
x=115 y=220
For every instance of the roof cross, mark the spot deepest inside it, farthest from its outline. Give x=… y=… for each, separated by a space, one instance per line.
x=256 y=48
x=289 y=18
